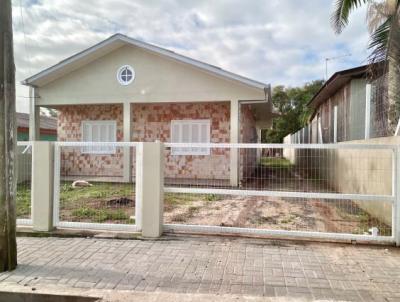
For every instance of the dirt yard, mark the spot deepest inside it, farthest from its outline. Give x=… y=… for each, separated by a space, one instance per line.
x=274 y=213
x=271 y=212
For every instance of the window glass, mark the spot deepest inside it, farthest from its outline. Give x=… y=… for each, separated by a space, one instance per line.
x=190 y=131
x=99 y=131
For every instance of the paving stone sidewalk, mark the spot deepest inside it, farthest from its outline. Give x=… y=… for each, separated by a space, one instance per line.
x=211 y=265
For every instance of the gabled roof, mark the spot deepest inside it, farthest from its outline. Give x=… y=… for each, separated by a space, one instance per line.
x=118 y=40
x=335 y=82
x=46 y=122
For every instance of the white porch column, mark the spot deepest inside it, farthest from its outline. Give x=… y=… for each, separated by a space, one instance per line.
x=34 y=116
x=127 y=138
x=234 y=137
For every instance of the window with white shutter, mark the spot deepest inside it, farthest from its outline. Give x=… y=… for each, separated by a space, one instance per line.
x=99 y=131
x=190 y=131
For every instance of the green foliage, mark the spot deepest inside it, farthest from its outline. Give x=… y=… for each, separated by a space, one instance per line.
x=343 y=8
x=212 y=197
x=291 y=103
x=100 y=215
x=276 y=162
x=23 y=202
x=98 y=190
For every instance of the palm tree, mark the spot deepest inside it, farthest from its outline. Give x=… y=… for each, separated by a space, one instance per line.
x=383 y=20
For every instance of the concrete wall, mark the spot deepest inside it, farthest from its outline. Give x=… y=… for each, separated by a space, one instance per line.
x=353 y=171
x=24 y=165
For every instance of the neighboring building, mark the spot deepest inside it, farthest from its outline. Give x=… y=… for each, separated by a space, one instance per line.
x=48 y=127
x=123 y=89
x=347 y=107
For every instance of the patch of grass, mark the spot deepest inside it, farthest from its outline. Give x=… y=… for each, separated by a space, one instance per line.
x=23 y=202
x=96 y=191
x=276 y=162
x=90 y=203
x=213 y=197
x=180 y=198
x=101 y=215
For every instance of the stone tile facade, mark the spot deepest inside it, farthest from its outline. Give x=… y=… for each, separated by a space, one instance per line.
x=248 y=134
x=151 y=122
x=73 y=161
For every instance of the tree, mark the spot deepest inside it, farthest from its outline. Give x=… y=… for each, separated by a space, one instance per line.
x=291 y=104
x=383 y=20
x=8 y=134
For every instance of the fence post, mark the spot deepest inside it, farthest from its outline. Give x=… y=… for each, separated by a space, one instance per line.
x=42 y=186
x=367 y=111
x=396 y=194
x=150 y=188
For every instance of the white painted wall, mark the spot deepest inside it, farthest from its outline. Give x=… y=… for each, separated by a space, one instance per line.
x=158 y=79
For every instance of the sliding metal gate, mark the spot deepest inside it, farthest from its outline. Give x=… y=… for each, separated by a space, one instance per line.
x=324 y=191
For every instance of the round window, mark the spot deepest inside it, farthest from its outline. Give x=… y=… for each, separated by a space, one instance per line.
x=125 y=75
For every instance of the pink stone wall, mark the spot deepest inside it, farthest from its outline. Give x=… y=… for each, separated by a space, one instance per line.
x=73 y=161
x=248 y=134
x=153 y=122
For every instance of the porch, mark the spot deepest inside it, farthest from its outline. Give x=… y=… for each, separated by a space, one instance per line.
x=225 y=122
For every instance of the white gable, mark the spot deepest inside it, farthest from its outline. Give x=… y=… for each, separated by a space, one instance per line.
x=158 y=78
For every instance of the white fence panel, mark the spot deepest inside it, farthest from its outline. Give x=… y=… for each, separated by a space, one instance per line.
x=342 y=191
x=24 y=174
x=94 y=186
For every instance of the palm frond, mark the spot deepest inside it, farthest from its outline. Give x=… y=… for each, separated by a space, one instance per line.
x=377 y=13
x=343 y=8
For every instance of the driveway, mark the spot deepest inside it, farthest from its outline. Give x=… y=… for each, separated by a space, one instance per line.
x=254 y=269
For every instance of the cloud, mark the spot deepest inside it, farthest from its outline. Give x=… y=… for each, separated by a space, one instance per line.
x=273 y=41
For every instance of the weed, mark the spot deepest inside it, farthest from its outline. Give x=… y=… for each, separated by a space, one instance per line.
x=276 y=162
x=23 y=202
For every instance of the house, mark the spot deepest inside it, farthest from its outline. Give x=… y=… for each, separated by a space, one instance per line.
x=48 y=127
x=123 y=89
x=348 y=107
x=352 y=108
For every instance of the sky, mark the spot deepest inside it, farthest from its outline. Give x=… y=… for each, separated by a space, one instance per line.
x=282 y=42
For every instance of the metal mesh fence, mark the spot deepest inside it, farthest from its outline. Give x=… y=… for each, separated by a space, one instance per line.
x=24 y=173
x=314 y=188
x=362 y=111
x=95 y=185
x=275 y=213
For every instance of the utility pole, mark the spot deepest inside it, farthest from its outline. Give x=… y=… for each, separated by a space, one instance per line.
x=8 y=246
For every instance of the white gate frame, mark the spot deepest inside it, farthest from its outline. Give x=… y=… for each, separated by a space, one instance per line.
x=394 y=198
x=23 y=221
x=56 y=191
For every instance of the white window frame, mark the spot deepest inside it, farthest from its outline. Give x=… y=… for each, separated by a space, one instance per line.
x=102 y=149
x=191 y=150
x=122 y=82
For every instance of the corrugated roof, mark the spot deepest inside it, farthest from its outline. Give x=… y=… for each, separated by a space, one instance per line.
x=46 y=122
x=335 y=82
